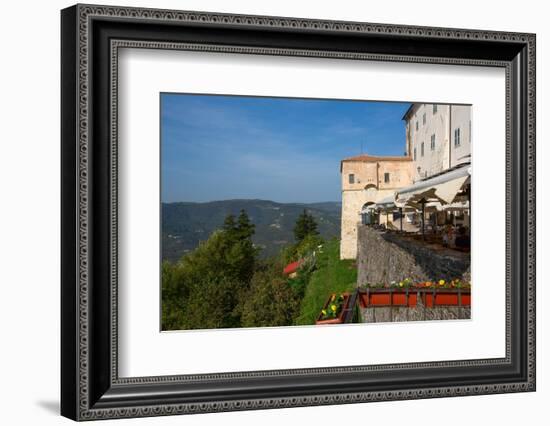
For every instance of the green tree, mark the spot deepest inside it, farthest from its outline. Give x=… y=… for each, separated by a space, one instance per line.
x=204 y=288
x=270 y=301
x=305 y=225
x=175 y=291
x=212 y=304
x=230 y=228
x=245 y=228
x=241 y=254
x=308 y=245
x=301 y=249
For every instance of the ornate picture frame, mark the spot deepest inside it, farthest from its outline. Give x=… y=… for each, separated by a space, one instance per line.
x=90 y=38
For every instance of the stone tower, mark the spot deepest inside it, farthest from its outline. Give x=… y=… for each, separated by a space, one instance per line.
x=367 y=179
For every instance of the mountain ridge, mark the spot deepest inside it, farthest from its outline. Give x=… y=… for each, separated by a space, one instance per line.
x=186 y=223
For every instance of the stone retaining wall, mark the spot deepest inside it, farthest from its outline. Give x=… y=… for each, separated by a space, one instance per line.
x=383 y=257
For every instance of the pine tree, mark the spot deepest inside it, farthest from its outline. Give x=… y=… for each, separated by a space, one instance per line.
x=229 y=223
x=305 y=225
x=238 y=249
x=300 y=228
x=230 y=228
x=245 y=228
x=311 y=226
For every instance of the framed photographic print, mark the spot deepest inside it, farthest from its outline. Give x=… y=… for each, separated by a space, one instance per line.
x=263 y=212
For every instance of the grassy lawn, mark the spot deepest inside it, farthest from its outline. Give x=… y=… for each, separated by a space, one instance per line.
x=331 y=276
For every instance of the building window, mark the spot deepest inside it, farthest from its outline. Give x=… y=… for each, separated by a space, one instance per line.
x=386 y=178
x=351 y=178
x=417 y=125
x=435 y=108
x=424 y=119
x=457 y=137
x=422 y=149
x=414 y=154
x=432 y=143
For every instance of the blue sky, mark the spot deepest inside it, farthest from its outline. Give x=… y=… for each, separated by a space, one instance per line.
x=279 y=149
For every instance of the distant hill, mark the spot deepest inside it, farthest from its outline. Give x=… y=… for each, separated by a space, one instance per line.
x=185 y=224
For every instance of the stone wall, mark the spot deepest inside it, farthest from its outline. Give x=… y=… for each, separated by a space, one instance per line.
x=383 y=257
x=352 y=203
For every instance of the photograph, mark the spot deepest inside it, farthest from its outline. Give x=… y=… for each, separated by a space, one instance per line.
x=279 y=211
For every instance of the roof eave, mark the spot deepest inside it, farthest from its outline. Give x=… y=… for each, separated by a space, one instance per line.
x=409 y=111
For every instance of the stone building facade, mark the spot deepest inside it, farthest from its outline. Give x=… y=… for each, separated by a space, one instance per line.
x=366 y=180
x=438 y=137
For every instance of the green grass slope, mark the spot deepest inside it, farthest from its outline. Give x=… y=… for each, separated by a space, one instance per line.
x=331 y=276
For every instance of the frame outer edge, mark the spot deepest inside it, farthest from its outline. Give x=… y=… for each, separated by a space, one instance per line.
x=531 y=213
x=69 y=190
x=81 y=180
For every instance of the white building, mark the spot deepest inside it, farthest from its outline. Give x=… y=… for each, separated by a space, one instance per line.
x=438 y=137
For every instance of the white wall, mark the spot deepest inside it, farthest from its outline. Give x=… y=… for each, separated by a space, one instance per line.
x=429 y=162
x=461 y=117
x=29 y=217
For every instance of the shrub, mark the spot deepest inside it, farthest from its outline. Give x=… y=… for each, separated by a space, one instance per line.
x=270 y=301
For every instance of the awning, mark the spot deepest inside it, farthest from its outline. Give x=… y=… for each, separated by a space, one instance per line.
x=455 y=206
x=368 y=208
x=436 y=206
x=442 y=188
x=386 y=202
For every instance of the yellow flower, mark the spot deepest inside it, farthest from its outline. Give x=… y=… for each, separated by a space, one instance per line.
x=401 y=284
x=441 y=282
x=324 y=311
x=333 y=307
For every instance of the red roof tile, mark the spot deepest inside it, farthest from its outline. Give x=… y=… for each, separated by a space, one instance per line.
x=292 y=267
x=365 y=157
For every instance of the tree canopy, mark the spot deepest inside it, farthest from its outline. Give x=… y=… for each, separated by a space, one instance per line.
x=223 y=283
x=202 y=290
x=305 y=225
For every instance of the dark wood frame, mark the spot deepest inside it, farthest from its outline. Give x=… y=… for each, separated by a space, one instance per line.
x=90 y=386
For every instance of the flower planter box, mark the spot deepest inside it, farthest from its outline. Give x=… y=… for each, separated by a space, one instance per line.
x=446 y=298
x=388 y=298
x=340 y=318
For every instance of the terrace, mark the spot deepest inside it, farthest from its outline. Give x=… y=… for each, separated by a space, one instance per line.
x=436 y=210
x=419 y=234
